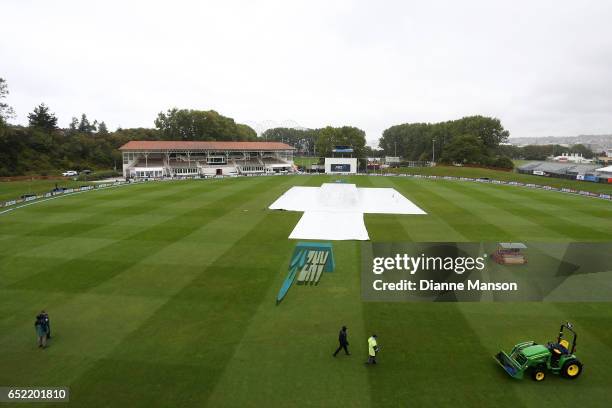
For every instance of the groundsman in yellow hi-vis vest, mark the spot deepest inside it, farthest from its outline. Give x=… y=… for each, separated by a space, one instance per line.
x=372 y=349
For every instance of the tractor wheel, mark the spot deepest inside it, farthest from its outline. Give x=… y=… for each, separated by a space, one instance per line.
x=538 y=373
x=571 y=369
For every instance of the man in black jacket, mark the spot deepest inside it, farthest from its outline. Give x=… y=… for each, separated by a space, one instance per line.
x=45 y=316
x=342 y=339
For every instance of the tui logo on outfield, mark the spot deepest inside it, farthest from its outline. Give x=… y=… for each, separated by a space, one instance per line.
x=309 y=261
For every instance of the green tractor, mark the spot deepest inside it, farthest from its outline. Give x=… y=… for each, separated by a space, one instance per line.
x=538 y=359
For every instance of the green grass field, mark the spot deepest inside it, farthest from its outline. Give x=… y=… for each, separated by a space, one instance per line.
x=162 y=295
x=476 y=172
x=518 y=162
x=10 y=190
x=305 y=161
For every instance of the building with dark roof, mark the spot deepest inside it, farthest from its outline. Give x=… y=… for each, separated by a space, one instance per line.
x=586 y=172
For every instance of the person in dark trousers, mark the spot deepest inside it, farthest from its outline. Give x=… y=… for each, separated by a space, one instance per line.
x=557 y=350
x=48 y=322
x=343 y=340
x=41 y=330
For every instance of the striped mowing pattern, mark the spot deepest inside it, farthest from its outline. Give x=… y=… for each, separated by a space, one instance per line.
x=162 y=294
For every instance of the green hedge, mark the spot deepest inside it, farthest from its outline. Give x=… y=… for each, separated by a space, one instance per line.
x=99 y=175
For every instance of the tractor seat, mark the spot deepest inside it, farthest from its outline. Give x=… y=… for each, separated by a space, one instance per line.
x=565 y=344
x=563 y=349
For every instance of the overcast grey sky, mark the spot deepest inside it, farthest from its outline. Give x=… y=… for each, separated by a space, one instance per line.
x=542 y=67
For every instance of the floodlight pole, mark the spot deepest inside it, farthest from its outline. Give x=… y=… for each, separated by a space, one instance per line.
x=433 y=143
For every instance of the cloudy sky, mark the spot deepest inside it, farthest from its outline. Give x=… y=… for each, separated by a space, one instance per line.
x=542 y=67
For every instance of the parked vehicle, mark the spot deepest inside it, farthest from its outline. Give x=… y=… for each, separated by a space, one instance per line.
x=70 y=173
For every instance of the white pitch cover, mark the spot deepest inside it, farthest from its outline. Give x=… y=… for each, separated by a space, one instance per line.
x=335 y=211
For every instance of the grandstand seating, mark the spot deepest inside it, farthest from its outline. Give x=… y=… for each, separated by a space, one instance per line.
x=149 y=163
x=273 y=160
x=250 y=166
x=186 y=158
x=567 y=170
x=183 y=166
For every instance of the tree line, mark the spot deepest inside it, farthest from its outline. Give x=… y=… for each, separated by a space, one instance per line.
x=320 y=142
x=43 y=147
x=542 y=152
x=470 y=140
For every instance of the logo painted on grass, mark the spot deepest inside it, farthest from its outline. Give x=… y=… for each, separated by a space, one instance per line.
x=309 y=261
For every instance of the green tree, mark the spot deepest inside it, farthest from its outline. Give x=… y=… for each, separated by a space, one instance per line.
x=329 y=137
x=304 y=140
x=245 y=132
x=583 y=150
x=502 y=162
x=409 y=140
x=6 y=111
x=509 y=150
x=42 y=118
x=188 y=124
x=467 y=149
x=371 y=152
x=416 y=140
x=541 y=152
x=102 y=129
x=85 y=126
x=488 y=130
x=74 y=124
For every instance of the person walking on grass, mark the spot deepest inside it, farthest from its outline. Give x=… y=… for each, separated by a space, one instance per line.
x=41 y=329
x=48 y=323
x=343 y=340
x=372 y=349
